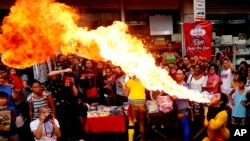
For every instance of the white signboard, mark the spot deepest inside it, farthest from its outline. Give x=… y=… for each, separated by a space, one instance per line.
x=199 y=10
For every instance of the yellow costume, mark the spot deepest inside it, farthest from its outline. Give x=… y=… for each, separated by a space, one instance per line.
x=137 y=107
x=216 y=127
x=137 y=90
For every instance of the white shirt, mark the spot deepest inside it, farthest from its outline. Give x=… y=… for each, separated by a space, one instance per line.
x=197 y=84
x=247 y=86
x=47 y=130
x=226 y=78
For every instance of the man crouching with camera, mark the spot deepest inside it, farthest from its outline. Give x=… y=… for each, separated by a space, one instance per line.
x=46 y=127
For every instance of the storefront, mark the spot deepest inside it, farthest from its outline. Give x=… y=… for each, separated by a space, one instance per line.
x=231 y=27
x=230 y=21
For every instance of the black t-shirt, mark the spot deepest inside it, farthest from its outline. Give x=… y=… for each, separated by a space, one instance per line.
x=61 y=94
x=111 y=83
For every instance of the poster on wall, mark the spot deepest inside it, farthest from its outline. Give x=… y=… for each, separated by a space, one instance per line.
x=198 y=38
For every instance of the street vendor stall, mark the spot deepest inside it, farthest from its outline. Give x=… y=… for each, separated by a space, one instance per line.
x=105 y=120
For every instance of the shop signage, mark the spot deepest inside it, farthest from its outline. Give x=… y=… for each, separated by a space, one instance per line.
x=198 y=37
x=199 y=10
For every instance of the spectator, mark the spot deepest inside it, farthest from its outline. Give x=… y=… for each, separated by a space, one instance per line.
x=46 y=127
x=109 y=87
x=238 y=99
x=170 y=57
x=70 y=60
x=213 y=80
x=183 y=105
x=197 y=81
x=243 y=68
x=88 y=80
x=248 y=111
x=8 y=130
x=26 y=86
x=5 y=88
x=60 y=62
x=13 y=71
x=218 y=60
x=187 y=66
x=248 y=78
x=64 y=92
x=12 y=80
x=120 y=83
x=82 y=116
x=226 y=76
x=248 y=99
x=235 y=81
x=21 y=109
x=39 y=98
x=191 y=70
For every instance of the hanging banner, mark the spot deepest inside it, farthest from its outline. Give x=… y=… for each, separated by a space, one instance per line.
x=198 y=38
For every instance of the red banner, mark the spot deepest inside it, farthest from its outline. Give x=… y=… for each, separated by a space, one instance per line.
x=198 y=38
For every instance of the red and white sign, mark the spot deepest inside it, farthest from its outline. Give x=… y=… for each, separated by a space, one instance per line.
x=199 y=10
x=198 y=37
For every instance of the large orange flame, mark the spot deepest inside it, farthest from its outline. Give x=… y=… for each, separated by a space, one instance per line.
x=36 y=29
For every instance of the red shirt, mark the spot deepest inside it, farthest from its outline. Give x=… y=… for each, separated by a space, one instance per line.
x=15 y=80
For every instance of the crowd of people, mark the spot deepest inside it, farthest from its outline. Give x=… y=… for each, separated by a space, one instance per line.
x=57 y=108
x=219 y=77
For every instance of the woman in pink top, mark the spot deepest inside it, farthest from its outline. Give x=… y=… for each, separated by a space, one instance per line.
x=213 y=80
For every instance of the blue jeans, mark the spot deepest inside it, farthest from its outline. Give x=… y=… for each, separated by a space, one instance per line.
x=185 y=125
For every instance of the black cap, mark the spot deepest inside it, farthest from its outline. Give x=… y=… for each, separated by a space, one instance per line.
x=4 y=94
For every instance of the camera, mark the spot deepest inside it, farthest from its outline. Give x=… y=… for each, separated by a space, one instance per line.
x=68 y=78
x=48 y=117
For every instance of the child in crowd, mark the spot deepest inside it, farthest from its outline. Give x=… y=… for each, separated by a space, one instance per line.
x=8 y=130
x=234 y=83
x=238 y=101
x=39 y=98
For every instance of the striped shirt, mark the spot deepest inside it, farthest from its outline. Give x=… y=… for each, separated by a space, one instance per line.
x=37 y=103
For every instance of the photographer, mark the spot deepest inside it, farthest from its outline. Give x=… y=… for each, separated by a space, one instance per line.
x=46 y=127
x=64 y=91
